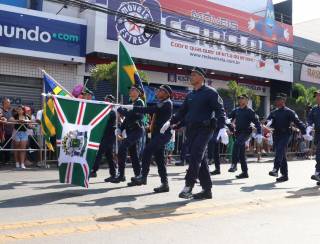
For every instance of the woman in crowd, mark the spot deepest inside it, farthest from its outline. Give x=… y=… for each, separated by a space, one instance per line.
x=20 y=136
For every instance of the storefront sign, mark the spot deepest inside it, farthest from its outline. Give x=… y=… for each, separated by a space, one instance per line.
x=22 y=30
x=204 y=18
x=311 y=73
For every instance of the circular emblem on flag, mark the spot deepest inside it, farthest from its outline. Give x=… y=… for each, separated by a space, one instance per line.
x=130 y=30
x=74 y=143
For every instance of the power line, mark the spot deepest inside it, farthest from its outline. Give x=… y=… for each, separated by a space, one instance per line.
x=192 y=35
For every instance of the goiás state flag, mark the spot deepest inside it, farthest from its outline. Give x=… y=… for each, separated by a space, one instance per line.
x=79 y=127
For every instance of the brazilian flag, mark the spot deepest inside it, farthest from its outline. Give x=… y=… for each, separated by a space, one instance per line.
x=128 y=73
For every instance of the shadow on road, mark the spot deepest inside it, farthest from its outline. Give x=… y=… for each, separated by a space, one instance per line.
x=13 y=185
x=305 y=192
x=262 y=187
x=148 y=212
x=101 y=202
x=45 y=198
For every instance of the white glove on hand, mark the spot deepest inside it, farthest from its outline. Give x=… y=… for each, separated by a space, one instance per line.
x=309 y=129
x=117 y=132
x=165 y=127
x=223 y=135
x=228 y=121
x=269 y=123
x=259 y=138
x=124 y=134
x=307 y=137
x=127 y=107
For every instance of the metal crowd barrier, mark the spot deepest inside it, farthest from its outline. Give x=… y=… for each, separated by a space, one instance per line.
x=41 y=146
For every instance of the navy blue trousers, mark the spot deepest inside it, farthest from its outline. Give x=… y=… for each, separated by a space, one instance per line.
x=198 y=167
x=156 y=148
x=213 y=151
x=130 y=144
x=239 y=151
x=280 y=143
x=317 y=143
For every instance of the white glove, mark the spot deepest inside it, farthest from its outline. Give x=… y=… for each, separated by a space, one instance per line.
x=259 y=138
x=307 y=137
x=223 y=135
x=309 y=129
x=269 y=123
x=165 y=127
x=117 y=132
x=228 y=121
x=127 y=107
x=124 y=134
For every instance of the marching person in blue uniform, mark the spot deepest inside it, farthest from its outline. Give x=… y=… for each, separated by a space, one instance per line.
x=161 y=112
x=280 y=120
x=213 y=153
x=314 y=123
x=132 y=125
x=201 y=112
x=243 y=116
x=106 y=145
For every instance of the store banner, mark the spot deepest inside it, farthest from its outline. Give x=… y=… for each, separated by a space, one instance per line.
x=311 y=73
x=43 y=33
x=205 y=18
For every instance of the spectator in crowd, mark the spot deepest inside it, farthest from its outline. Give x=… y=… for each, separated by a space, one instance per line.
x=32 y=143
x=7 y=114
x=20 y=136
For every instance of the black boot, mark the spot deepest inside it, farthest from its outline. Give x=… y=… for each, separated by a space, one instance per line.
x=138 y=181
x=180 y=163
x=243 y=175
x=233 y=168
x=204 y=194
x=216 y=172
x=282 y=178
x=163 y=188
x=316 y=177
x=318 y=183
x=93 y=174
x=274 y=173
x=118 y=179
x=109 y=179
x=186 y=193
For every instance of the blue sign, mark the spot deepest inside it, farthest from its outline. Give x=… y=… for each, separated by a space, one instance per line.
x=42 y=34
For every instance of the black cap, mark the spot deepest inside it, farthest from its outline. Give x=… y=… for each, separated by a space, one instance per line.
x=139 y=88
x=243 y=96
x=110 y=98
x=281 y=96
x=167 y=89
x=199 y=71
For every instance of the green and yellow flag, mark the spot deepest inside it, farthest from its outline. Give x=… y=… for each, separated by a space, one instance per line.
x=47 y=121
x=128 y=73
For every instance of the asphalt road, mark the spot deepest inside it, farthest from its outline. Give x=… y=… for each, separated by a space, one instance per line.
x=36 y=208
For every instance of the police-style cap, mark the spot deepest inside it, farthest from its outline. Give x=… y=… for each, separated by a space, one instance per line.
x=243 y=96
x=138 y=88
x=110 y=98
x=199 y=71
x=281 y=96
x=167 y=89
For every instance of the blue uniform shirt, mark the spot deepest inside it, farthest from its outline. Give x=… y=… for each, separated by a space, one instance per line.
x=243 y=118
x=132 y=119
x=199 y=106
x=282 y=119
x=162 y=112
x=314 y=118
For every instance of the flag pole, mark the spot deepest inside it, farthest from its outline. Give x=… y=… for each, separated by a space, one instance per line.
x=117 y=90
